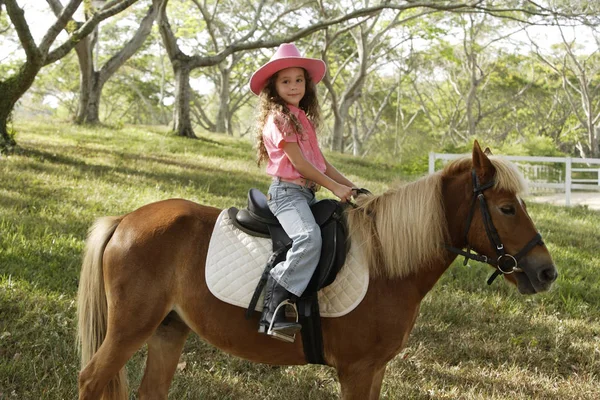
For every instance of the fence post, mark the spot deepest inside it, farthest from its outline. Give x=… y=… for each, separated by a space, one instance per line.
x=431 y=162
x=568 y=182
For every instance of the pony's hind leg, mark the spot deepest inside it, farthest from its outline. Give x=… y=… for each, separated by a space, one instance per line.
x=131 y=322
x=101 y=376
x=164 y=349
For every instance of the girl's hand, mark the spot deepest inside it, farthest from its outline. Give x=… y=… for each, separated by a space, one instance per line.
x=343 y=192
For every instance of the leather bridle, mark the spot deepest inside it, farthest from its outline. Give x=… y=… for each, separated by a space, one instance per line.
x=505 y=263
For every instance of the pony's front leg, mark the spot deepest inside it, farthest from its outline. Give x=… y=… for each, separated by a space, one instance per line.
x=164 y=350
x=360 y=382
x=376 y=385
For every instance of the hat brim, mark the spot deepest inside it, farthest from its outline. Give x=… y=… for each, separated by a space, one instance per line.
x=315 y=67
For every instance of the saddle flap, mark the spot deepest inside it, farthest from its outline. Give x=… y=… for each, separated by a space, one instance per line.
x=323 y=210
x=333 y=256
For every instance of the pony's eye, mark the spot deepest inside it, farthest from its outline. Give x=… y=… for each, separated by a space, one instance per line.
x=508 y=210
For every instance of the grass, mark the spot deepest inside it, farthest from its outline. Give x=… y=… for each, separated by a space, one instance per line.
x=471 y=341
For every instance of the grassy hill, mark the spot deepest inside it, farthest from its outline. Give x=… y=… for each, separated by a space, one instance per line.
x=472 y=341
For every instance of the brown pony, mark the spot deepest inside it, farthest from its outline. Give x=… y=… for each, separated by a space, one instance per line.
x=142 y=279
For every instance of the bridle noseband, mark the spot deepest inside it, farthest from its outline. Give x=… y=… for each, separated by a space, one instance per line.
x=505 y=263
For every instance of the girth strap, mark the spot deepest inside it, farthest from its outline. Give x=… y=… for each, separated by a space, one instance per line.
x=312 y=337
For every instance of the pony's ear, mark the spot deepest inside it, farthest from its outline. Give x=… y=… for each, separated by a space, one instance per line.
x=482 y=164
x=487 y=151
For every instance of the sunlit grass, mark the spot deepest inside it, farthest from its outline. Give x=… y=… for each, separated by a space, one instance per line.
x=472 y=341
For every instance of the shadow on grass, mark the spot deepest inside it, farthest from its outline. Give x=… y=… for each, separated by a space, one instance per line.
x=491 y=335
x=447 y=382
x=36 y=214
x=213 y=375
x=216 y=181
x=12 y=201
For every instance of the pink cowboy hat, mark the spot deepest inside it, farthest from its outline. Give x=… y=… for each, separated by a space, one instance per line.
x=286 y=56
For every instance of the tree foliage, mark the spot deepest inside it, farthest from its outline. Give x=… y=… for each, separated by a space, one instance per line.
x=403 y=77
x=14 y=85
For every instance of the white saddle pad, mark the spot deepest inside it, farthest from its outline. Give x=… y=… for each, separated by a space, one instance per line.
x=236 y=260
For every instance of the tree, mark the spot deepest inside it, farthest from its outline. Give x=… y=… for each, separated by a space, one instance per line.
x=222 y=32
x=16 y=84
x=393 y=112
x=368 y=47
x=92 y=80
x=262 y=21
x=462 y=93
x=138 y=90
x=580 y=75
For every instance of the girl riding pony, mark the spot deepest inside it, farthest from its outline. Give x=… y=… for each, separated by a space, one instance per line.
x=289 y=115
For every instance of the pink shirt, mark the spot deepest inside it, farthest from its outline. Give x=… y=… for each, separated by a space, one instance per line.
x=279 y=164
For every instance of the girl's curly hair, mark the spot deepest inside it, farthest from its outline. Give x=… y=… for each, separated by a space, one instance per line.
x=271 y=103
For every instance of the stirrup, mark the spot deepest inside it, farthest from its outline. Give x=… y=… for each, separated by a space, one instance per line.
x=281 y=335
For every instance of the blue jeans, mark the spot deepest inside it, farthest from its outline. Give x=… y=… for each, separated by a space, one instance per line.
x=290 y=204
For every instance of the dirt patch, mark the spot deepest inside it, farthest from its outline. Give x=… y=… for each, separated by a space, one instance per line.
x=590 y=199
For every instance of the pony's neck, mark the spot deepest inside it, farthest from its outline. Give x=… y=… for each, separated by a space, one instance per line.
x=455 y=192
x=402 y=231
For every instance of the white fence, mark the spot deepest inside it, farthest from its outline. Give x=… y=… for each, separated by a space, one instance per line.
x=561 y=177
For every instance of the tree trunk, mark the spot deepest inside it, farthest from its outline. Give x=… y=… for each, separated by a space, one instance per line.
x=596 y=143
x=93 y=81
x=337 y=141
x=84 y=51
x=182 y=124
x=593 y=140
x=12 y=89
x=229 y=125
x=356 y=143
x=591 y=126
x=6 y=141
x=223 y=114
x=92 y=111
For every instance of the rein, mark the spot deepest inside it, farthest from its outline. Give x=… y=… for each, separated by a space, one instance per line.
x=359 y=191
x=505 y=263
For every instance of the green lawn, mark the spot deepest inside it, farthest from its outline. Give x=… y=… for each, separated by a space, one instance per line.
x=472 y=341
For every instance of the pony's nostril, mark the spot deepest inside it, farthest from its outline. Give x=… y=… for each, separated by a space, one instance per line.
x=548 y=274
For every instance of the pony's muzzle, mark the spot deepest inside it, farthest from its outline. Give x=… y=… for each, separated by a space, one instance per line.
x=537 y=276
x=547 y=274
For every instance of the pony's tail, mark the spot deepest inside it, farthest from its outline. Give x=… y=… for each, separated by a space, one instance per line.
x=92 y=308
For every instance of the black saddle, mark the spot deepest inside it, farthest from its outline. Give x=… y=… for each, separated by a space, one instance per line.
x=258 y=220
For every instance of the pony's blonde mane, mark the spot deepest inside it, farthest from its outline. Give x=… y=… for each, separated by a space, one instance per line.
x=404 y=229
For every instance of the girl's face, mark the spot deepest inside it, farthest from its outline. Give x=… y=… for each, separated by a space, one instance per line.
x=291 y=85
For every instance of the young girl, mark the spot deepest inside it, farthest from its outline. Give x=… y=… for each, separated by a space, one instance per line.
x=286 y=138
